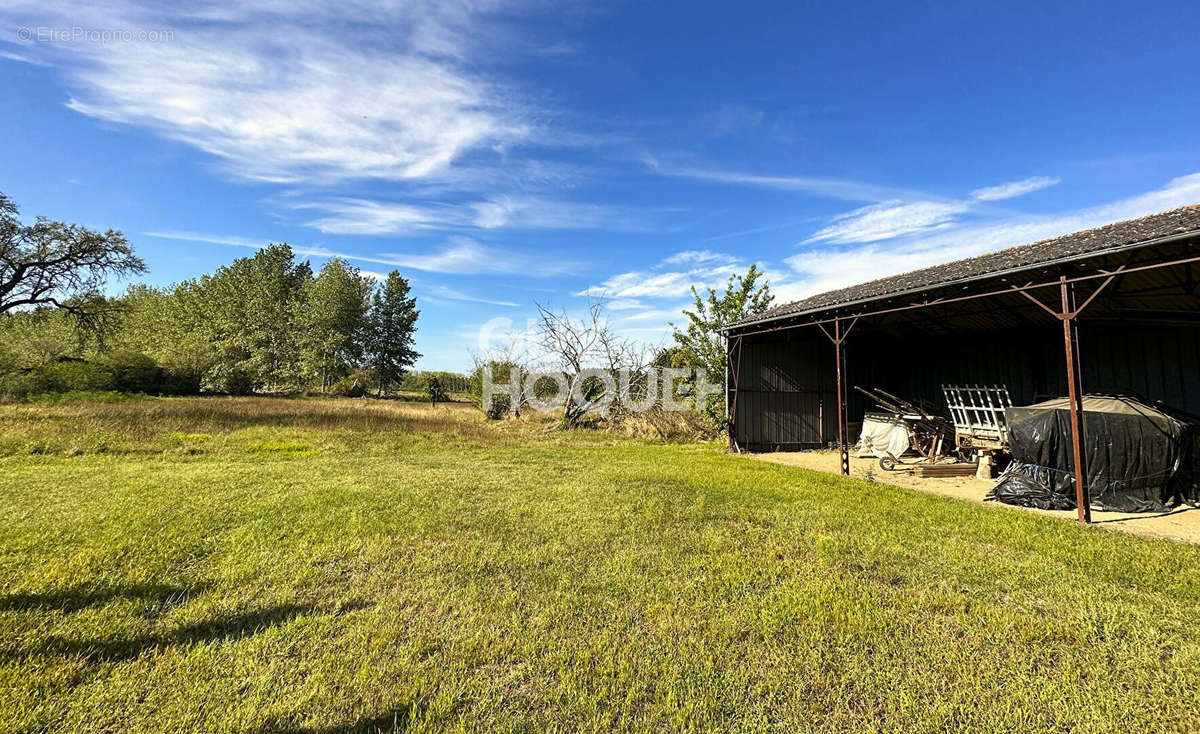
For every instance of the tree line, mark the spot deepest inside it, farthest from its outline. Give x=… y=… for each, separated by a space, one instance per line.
x=269 y=323
x=264 y=323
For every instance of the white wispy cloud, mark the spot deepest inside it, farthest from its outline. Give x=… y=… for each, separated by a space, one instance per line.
x=666 y=315
x=833 y=188
x=465 y=256
x=454 y=294
x=893 y=212
x=699 y=257
x=757 y=230
x=542 y=212
x=1014 y=189
x=731 y=119
x=899 y=217
x=822 y=268
x=457 y=255
x=673 y=277
x=21 y=58
x=889 y=219
x=236 y=241
x=347 y=215
x=374 y=119
x=329 y=98
x=287 y=91
x=364 y=216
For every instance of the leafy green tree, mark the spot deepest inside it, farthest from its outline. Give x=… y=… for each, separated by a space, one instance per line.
x=418 y=381
x=39 y=337
x=700 y=345
x=435 y=391
x=60 y=265
x=251 y=308
x=333 y=321
x=168 y=324
x=392 y=324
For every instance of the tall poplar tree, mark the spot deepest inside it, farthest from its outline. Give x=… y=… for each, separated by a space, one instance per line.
x=252 y=306
x=332 y=321
x=393 y=322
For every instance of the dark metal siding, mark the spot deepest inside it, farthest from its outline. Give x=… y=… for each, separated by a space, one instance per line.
x=1157 y=362
x=786 y=382
x=785 y=393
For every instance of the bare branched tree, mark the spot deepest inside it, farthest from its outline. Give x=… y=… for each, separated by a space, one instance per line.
x=62 y=265
x=589 y=354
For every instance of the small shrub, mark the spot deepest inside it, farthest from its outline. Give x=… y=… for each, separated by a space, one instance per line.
x=499 y=409
x=435 y=391
x=235 y=381
x=73 y=374
x=130 y=371
x=501 y=403
x=665 y=425
x=348 y=387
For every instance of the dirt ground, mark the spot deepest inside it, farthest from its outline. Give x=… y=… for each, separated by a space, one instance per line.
x=1181 y=524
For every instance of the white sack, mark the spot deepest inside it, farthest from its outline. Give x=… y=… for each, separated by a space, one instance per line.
x=884 y=434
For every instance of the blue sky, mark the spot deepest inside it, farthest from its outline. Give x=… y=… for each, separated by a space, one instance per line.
x=501 y=154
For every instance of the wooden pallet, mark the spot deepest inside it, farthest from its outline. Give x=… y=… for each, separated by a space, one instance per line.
x=943 y=470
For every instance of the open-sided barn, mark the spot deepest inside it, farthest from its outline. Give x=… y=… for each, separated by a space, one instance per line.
x=1115 y=309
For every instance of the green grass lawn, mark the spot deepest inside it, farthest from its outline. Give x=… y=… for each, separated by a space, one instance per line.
x=240 y=565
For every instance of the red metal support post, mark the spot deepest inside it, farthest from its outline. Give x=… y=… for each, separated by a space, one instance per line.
x=733 y=367
x=1083 y=498
x=840 y=356
x=728 y=385
x=1070 y=312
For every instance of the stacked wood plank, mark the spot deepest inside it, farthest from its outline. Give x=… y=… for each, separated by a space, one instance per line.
x=943 y=470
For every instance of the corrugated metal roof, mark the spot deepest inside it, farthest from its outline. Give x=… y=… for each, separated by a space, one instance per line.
x=1089 y=241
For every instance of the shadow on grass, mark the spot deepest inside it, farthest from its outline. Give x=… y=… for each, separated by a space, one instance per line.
x=396 y=719
x=77 y=598
x=224 y=628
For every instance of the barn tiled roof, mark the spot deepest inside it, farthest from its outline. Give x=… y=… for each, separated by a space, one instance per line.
x=1099 y=239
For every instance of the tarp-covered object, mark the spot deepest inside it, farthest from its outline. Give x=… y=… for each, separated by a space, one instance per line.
x=1139 y=458
x=883 y=434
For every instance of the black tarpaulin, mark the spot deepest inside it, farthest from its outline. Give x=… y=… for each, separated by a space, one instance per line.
x=1139 y=458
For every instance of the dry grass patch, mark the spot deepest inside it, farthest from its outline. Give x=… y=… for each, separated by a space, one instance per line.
x=148 y=425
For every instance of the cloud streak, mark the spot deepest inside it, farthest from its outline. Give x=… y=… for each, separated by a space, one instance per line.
x=820 y=269
x=898 y=218
x=832 y=188
x=457 y=255
x=1014 y=189
x=327 y=99
x=286 y=92
x=673 y=277
x=887 y=220
x=367 y=217
x=454 y=294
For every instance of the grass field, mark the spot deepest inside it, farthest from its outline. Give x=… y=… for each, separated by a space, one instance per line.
x=269 y=565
